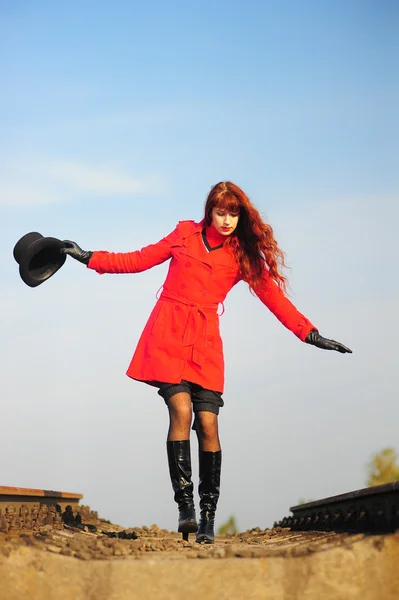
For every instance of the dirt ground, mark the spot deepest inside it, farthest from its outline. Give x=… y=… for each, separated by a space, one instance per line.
x=106 y=562
x=111 y=542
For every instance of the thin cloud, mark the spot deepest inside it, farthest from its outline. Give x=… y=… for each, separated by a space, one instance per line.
x=14 y=194
x=97 y=180
x=55 y=182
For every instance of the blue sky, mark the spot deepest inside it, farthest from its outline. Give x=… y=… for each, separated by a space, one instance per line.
x=116 y=120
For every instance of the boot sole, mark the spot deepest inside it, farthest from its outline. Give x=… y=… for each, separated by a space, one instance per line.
x=205 y=540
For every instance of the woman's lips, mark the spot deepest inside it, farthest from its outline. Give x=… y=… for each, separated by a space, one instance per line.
x=226 y=228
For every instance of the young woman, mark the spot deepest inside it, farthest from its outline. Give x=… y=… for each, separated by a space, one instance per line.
x=180 y=350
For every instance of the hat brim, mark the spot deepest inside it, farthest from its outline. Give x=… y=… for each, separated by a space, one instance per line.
x=41 y=261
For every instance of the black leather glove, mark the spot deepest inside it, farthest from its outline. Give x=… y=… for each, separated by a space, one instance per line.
x=72 y=249
x=318 y=340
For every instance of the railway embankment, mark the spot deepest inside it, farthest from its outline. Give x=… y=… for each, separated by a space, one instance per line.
x=53 y=549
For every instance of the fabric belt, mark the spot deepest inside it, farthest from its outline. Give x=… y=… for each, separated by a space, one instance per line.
x=196 y=328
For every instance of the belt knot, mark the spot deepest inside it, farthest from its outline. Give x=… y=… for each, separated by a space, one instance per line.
x=196 y=327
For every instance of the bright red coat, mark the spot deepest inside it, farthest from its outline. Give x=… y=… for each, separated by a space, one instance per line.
x=181 y=339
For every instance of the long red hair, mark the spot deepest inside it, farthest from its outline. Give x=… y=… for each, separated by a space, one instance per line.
x=252 y=242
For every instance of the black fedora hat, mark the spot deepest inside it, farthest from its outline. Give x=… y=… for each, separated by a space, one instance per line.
x=38 y=257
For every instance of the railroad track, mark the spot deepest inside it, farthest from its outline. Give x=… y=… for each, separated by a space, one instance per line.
x=369 y=510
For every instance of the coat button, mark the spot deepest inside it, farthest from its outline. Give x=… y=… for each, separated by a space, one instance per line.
x=203 y=292
x=182 y=286
x=173 y=330
x=188 y=264
x=177 y=307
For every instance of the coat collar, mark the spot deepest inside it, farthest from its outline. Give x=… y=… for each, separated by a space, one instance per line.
x=195 y=229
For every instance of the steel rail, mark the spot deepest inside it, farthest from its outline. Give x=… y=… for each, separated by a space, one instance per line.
x=369 y=510
x=29 y=509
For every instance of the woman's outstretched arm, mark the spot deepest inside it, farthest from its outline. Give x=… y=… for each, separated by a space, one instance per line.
x=277 y=302
x=123 y=262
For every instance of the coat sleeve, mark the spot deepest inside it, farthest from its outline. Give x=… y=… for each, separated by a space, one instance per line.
x=136 y=261
x=274 y=298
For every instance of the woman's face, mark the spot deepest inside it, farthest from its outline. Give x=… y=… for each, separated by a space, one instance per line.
x=223 y=221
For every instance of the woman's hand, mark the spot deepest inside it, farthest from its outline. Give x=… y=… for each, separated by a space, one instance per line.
x=72 y=249
x=318 y=340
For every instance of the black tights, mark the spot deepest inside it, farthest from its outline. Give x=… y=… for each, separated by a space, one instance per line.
x=180 y=418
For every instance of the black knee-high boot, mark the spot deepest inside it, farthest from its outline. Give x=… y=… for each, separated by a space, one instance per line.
x=179 y=459
x=209 y=488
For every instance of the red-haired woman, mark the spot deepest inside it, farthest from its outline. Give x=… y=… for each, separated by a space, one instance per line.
x=180 y=350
